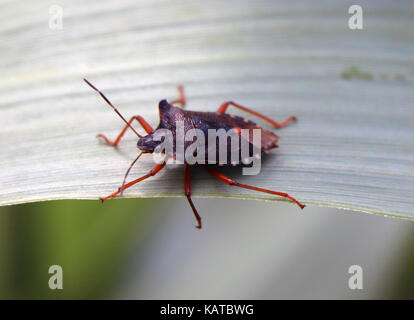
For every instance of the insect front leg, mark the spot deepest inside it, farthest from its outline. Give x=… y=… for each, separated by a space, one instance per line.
x=182 y=100
x=187 y=184
x=278 y=125
x=231 y=182
x=152 y=172
x=141 y=121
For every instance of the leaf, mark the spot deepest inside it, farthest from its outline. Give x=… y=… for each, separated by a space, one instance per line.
x=352 y=91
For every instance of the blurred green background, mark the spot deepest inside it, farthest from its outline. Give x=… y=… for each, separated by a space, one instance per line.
x=131 y=248
x=88 y=239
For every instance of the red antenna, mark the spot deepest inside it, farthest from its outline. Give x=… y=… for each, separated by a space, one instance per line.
x=115 y=109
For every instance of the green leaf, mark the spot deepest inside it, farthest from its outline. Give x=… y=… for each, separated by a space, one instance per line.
x=352 y=91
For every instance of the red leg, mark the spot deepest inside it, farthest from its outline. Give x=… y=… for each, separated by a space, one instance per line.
x=182 y=100
x=187 y=183
x=225 y=105
x=153 y=172
x=231 y=182
x=141 y=121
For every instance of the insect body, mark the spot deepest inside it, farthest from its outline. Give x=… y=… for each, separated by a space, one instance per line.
x=169 y=115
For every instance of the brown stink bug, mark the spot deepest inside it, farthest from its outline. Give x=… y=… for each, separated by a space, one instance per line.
x=204 y=121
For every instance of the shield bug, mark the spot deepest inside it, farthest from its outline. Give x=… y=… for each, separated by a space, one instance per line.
x=204 y=121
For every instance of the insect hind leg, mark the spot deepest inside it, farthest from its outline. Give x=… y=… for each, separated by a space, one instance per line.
x=222 y=109
x=231 y=182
